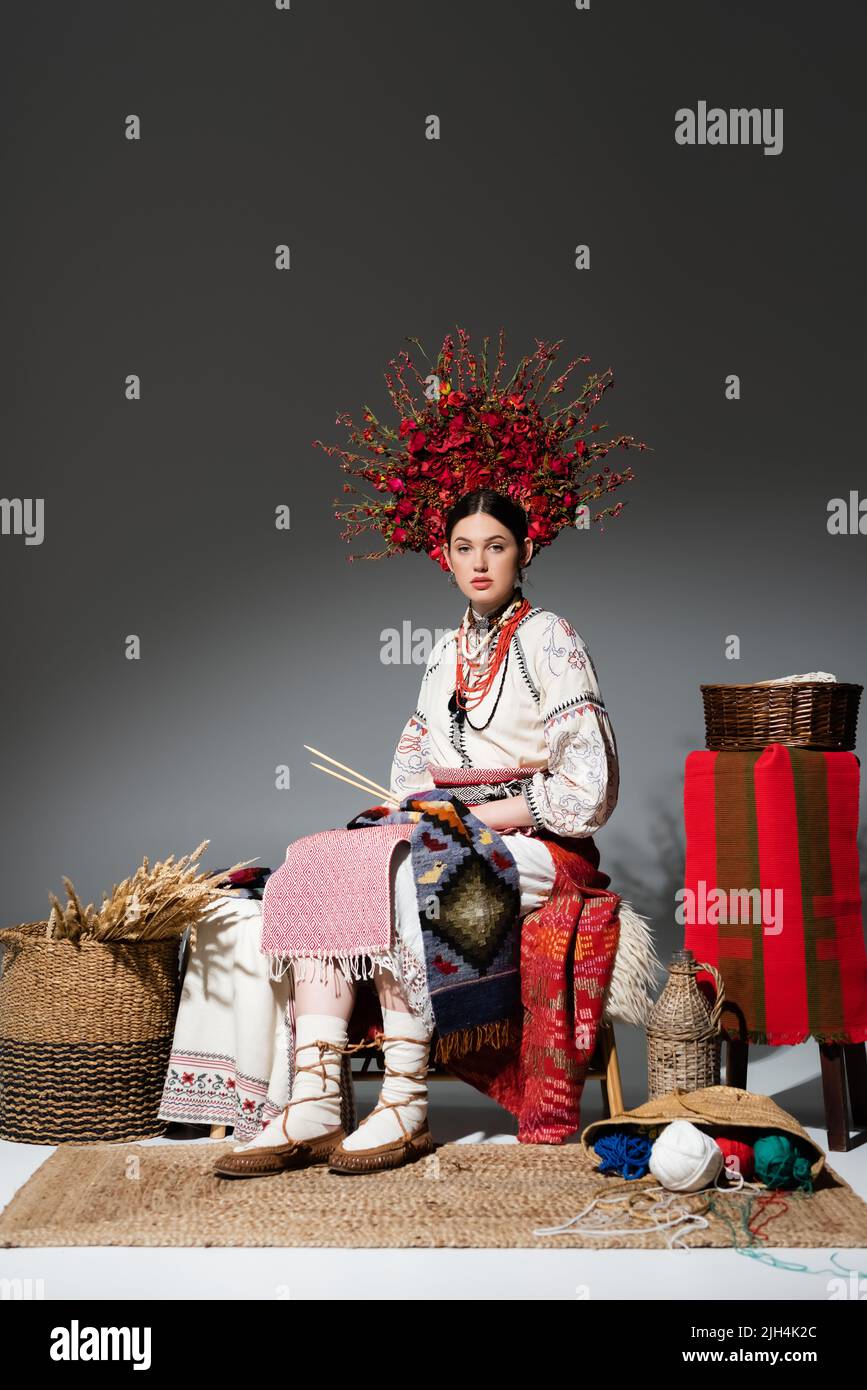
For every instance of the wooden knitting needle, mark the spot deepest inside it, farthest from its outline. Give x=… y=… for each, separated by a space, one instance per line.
x=360 y=785
x=374 y=785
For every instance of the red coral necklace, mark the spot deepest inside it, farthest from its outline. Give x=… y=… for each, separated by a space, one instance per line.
x=476 y=671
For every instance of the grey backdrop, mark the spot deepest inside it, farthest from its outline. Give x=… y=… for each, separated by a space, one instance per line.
x=157 y=257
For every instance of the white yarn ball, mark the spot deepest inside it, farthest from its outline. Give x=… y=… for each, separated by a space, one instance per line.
x=684 y=1158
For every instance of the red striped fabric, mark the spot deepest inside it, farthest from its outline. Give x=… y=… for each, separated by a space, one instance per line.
x=779 y=824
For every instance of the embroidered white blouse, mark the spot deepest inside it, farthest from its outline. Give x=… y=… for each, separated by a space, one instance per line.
x=550 y=709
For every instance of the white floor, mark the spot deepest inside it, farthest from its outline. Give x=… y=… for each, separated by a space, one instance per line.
x=790 y=1075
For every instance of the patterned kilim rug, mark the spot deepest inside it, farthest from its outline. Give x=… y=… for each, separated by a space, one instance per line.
x=461 y=1196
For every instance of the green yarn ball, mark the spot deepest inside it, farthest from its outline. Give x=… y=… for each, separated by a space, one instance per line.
x=779 y=1164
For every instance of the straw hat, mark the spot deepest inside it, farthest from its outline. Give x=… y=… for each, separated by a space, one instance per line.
x=715 y=1107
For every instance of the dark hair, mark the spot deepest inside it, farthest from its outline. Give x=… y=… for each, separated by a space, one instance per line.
x=510 y=514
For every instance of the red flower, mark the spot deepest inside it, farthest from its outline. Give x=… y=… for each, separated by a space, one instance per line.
x=398 y=535
x=406 y=427
x=476 y=475
x=417 y=442
x=540 y=529
x=397 y=484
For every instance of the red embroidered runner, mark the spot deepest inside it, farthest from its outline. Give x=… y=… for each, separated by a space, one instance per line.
x=772 y=895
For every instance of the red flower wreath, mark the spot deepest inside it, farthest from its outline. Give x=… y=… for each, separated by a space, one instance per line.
x=467 y=433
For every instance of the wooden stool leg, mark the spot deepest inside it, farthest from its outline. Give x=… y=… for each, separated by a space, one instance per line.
x=837 y=1118
x=855 y=1062
x=612 y=1089
x=218 y=1131
x=737 y=1055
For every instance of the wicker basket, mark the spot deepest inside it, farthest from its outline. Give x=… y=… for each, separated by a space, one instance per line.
x=719 y=1109
x=86 y=1031
x=683 y=1035
x=803 y=714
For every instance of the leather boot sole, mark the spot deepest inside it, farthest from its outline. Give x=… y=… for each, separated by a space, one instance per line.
x=392 y=1155
x=279 y=1158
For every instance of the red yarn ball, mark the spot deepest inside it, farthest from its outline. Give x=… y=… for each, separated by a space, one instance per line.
x=743 y=1154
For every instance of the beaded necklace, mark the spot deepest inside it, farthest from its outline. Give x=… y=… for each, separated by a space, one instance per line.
x=477 y=669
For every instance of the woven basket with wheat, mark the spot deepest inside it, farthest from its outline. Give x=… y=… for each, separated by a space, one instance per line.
x=88 y=1000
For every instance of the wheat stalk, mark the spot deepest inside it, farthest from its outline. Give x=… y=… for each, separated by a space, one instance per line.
x=152 y=905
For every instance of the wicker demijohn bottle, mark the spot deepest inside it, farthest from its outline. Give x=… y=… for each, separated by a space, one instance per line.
x=683 y=1034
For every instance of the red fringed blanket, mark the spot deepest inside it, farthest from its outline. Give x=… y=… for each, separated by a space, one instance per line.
x=772 y=895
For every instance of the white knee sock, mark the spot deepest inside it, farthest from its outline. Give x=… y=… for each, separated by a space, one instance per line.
x=314 y=1116
x=410 y=1056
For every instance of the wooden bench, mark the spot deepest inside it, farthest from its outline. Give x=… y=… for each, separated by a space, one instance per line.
x=603 y=1068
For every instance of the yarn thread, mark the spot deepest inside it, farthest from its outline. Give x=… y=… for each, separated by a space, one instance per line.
x=741 y=1154
x=762 y=1256
x=779 y=1164
x=623 y=1153
x=684 y=1158
x=647 y=1209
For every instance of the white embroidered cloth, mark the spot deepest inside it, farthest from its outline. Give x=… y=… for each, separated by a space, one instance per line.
x=806 y=676
x=230 y=1062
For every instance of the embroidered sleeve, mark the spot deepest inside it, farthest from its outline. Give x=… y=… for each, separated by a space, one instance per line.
x=409 y=772
x=577 y=792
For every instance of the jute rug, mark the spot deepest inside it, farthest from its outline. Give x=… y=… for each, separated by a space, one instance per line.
x=461 y=1196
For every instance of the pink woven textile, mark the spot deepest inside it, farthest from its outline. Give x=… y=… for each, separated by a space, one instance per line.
x=331 y=895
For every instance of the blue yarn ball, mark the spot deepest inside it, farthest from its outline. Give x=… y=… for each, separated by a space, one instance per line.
x=624 y=1152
